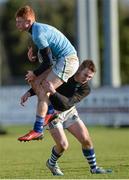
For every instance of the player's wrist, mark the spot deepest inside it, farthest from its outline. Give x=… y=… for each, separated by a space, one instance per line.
x=53 y=92
x=28 y=94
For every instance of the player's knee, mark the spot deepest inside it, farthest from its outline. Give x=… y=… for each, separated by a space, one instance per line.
x=87 y=142
x=64 y=145
x=38 y=89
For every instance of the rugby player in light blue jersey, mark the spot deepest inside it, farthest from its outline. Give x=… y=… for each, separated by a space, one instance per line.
x=50 y=42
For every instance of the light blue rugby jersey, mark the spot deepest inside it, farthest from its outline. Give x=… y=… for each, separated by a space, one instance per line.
x=45 y=35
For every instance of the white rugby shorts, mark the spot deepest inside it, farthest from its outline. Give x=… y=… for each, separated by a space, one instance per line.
x=65 y=119
x=66 y=67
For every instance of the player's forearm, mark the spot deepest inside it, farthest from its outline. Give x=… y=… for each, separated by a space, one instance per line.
x=43 y=67
x=60 y=102
x=45 y=57
x=31 y=91
x=79 y=95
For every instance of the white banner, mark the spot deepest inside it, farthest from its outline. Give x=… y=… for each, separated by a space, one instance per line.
x=104 y=106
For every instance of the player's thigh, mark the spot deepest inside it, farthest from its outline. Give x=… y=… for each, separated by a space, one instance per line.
x=66 y=67
x=58 y=134
x=54 y=79
x=44 y=75
x=39 y=79
x=79 y=130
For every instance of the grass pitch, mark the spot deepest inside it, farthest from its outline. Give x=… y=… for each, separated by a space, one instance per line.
x=27 y=160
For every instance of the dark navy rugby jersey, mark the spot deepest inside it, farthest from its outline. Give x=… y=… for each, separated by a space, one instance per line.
x=68 y=94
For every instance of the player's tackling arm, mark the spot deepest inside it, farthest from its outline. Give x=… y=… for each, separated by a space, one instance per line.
x=63 y=103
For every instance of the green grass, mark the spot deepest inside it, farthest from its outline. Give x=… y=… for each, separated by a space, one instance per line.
x=27 y=160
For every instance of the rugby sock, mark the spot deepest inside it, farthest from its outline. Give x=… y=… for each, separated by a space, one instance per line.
x=50 y=109
x=90 y=156
x=54 y=157
x=38 y=125
x=49 y=114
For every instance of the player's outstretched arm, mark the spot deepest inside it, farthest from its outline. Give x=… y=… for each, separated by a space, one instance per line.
x=24 y=98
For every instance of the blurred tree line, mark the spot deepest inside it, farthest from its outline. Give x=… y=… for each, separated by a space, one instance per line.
x=56 y=12
x=61 y=14
x=124 y=42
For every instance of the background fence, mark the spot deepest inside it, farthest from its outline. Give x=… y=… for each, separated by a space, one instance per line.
x=104 y=106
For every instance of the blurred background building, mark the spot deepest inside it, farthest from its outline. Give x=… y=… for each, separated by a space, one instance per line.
x=99 y=29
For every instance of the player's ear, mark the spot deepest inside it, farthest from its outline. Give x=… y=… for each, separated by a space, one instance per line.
x=28 y=23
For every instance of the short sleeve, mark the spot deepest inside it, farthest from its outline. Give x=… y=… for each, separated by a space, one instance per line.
x=41 y=41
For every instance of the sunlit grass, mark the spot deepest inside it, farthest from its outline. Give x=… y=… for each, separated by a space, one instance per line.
x=27 y=160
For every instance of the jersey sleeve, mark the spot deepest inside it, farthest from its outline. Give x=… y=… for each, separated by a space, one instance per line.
x=41 y=41
x=45 y=59
x=80 y=94
x=31 y=91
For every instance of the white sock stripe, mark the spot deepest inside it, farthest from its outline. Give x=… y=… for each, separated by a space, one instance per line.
x=53 y=159
x=91 y=156
x=91 y=160
x=93 y=164
x=51 y=162
x=54 y=156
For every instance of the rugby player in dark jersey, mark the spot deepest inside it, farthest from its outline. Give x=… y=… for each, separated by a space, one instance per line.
x=63 y=99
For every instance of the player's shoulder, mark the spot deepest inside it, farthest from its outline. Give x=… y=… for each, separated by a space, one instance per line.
x=37 y=26
x=42 y=27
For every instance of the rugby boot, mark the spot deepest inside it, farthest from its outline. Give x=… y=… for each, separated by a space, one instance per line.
x=99 y=170
x=54 y=169
x=32 y=135
x=50 y=117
